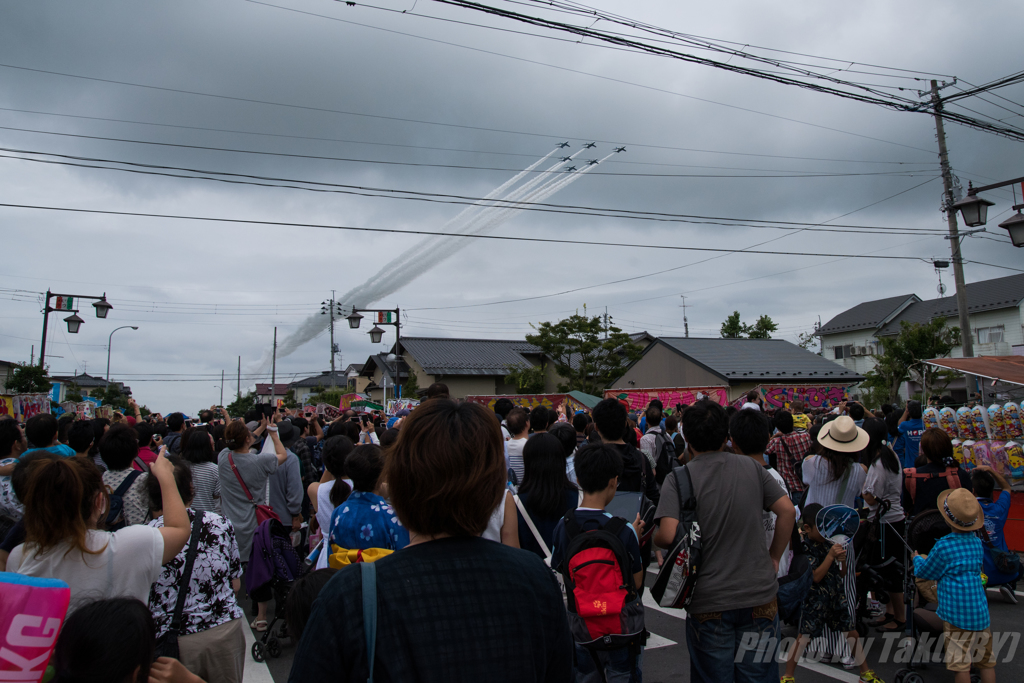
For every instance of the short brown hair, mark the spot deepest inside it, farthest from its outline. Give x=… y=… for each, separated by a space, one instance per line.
x=517 y=420
x=236 y=435
x=446 y=473
x=937 y=446
x=59 y=500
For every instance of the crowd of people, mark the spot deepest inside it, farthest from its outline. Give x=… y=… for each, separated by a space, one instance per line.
x=505 y=544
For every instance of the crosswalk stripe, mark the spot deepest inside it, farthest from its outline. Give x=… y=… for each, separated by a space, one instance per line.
x=655 y=641
x=651 y=603
x=255 y=672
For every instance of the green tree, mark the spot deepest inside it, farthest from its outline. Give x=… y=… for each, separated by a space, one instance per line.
x=73 y=392
x=289 y=399
x=733 y=328
x=242 y=404
x=111 y=395
x=809 y=341
x=903 y=357
x=331 y=397
x=587 y=351
x=28 y=379
x=411 y=386
x=527 y=380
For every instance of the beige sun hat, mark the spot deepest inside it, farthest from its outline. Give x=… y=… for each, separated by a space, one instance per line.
x=961 y=510
x=842 y=435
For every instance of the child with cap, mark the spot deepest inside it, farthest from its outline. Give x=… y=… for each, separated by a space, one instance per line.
x=956 y=563
x=826 y=603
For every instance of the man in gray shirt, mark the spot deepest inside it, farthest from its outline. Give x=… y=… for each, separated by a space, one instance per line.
x=733 y=604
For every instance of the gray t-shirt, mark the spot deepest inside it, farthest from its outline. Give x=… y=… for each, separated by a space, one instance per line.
x=254 y=468
x=732 y=491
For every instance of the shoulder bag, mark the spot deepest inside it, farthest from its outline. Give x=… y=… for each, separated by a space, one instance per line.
x=167 y=644
x=263 y=512
x=677 y=577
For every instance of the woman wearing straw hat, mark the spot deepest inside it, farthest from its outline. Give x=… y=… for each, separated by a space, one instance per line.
x=956 y=562
x=835 y=477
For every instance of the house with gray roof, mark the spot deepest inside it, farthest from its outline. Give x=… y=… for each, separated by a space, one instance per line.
x=995 y=310
x=739 y=364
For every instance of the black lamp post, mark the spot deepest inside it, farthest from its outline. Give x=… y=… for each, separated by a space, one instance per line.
x=974 y=210
x=386 y=316
x=66 y=302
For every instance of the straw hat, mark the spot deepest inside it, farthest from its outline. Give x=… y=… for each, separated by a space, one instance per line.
x=842 y=435
x=961 y=510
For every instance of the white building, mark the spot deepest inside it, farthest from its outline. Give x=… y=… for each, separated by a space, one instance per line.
x=995 y=309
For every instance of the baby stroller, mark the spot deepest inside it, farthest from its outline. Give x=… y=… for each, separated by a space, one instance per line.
x=273 y=561
x=873 y=578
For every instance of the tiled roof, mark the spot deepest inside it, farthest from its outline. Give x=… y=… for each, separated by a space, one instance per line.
x=264 y=389
x=759 y=360
x=439 y=356
x=987 y=295
x=84 y=381
x=867 y=315
x=322 y=380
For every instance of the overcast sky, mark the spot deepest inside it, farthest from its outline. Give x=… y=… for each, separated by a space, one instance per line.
x=203 y=294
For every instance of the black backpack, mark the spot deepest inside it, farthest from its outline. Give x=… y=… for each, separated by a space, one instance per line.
x=664 y=456
x=115 y=517
x=604 y=605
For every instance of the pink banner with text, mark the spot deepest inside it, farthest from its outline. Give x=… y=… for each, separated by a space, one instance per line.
x=638 y=399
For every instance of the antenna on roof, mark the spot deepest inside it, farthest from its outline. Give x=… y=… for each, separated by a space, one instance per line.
x=686 y=323
x=939 y=267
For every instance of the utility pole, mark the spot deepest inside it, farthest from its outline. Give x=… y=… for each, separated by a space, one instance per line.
x=221 y=388
x=686 y=323
x=273 y=374
x=239 y=396
x=332 y=338
x=966 y=338
x=605 y=322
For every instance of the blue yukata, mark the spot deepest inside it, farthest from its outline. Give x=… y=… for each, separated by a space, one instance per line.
x=364 y=521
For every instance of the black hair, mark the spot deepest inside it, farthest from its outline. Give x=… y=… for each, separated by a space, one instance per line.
x=783 y=421
x=119 y=446
x=886 y=409
x=809 y=514
x=182 y=480
x=750 y=431
x=363 y=466
x=145 y=432
x=64 y=423
x=705 y=426
x=175 y=421
x=10 y=434
x=544 y=478
x=206 y=415
x=40 y=430
x=80 y=436
x=914 y=410
x=654 y=414
x=566 y=436
x=253 y=415
x=196 y=447
x=610 y=419
x=389 y=437
x=105 y=641
x=629 y=437
x=579 y=422
x=99 y=428
x=299 y=604
x=300 y=423
x=983 y=484
x=539 y=420
x=856 y=411
x=336 y=450
x=517 y=420
x=502 y=407
x=753 y=395
x=19 y=477
x=552 y=416
x=596 y=465
x=892 y=423
x=671 y=423
x=876 y=449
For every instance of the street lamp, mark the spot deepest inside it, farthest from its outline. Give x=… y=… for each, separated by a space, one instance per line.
x=110 y=339
x=354 y=319
x=1015 y=226
x=102 y=307
x=376 y=334
x=74 y=322
x=975 y=210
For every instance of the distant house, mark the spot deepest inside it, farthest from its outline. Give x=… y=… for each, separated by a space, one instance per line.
x=265 y=391
x=86 y=385
x=6 y=368
x=304 y=388
x=740 y=364
x=995 y=311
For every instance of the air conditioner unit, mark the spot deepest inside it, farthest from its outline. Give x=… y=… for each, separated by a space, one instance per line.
x=854 y=350
x=863 y=350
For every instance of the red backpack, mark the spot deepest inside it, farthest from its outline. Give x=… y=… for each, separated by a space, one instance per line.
x=911 y=477
x=605 y=610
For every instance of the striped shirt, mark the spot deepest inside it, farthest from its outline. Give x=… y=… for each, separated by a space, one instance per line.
x=824 y=490
x=956 y=562
x=206 y=484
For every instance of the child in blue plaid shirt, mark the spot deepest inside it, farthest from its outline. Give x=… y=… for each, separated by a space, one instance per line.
x=956 y=563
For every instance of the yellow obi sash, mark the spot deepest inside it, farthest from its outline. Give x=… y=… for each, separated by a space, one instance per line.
x=340 y=557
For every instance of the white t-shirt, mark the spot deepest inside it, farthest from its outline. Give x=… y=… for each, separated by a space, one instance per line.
x=749 y=404
x=824 y=490
x=324 y=509
x=769 y=526
x=128 y=566
x=885 y=485
x=497 y=520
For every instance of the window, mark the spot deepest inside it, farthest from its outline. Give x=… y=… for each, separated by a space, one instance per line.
x=845 y=351
x=990 y=335
x=839 y=352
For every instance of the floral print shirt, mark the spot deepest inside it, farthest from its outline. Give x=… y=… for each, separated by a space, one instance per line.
x=9 y=503
x=365 y=520
x=210 y=601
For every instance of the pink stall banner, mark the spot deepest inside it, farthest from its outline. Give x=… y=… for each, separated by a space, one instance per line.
x=31 y=613
x=638 y=399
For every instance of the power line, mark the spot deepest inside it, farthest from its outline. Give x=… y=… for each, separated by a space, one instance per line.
x=437 y=233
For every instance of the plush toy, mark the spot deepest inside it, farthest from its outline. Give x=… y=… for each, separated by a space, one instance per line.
x=947 y=422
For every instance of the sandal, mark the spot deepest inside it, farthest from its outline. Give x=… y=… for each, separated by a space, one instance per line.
x=259 y=625
x=898 y=626
x=888 y=619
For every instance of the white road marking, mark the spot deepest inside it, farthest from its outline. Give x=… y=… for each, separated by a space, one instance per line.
x=655 y=641
x=651 y=603
x=830 y=671
x=255 y=672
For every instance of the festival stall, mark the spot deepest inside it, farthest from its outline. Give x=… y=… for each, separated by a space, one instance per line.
x=23 y=406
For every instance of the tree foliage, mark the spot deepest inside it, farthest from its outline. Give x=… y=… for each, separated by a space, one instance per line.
x=587 y=351
x=527 y=380
x=241 y=405
x=412 y=385
x=734 y=328
x=809 y=341
x=111 y=395
x=28 y=379
x=903 y=356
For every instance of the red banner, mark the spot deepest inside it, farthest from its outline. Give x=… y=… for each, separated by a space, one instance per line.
x=638 y=399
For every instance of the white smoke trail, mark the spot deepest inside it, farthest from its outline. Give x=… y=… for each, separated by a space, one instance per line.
x=482 y=216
